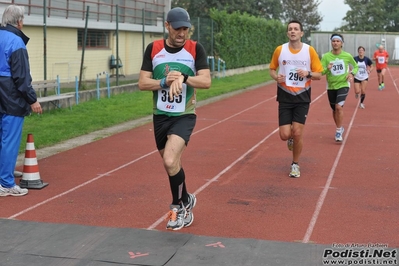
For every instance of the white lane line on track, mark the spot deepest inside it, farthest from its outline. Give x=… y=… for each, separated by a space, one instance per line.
x=127 y=164
x=327 y=186
x=215 y=178
x=160 y=220
x=323 y=194
x=79 y=186
x=393 y=80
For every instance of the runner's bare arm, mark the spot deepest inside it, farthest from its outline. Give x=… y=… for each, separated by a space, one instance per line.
x=147 y=83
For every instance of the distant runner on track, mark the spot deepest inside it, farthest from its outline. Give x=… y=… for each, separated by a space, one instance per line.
x=297 y=64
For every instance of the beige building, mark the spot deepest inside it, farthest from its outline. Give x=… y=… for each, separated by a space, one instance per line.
x=55 y=46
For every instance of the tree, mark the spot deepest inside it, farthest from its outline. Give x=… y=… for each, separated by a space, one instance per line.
x=392 y=15
x=368 y=15
x=269 y=9
x=306 y=11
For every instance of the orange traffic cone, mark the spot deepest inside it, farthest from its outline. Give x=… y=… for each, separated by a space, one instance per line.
x=30 y=173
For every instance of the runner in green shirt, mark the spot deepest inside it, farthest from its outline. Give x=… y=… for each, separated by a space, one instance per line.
x=339 y=68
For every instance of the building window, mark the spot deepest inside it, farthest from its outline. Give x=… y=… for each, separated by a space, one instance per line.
x=95 y=38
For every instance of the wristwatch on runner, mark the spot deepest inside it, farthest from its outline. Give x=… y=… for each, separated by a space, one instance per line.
x=185 y=77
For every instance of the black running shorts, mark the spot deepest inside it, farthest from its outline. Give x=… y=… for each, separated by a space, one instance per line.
x=337 y=96
x=181 y=126
x=292 y=112
x=359 y=81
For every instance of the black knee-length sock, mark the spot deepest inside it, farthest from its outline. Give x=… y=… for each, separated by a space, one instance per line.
x=184 y=195
x=362 y=96
x=177 y=186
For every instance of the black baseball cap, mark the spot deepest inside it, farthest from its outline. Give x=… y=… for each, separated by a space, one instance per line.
x=178 y=17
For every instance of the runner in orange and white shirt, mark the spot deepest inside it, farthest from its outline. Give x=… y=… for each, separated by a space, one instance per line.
x=381 y=57
x=293 y=66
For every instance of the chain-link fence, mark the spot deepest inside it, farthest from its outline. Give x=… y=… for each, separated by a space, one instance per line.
x=203 y=30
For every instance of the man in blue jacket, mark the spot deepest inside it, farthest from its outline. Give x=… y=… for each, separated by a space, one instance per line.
x=17 y=97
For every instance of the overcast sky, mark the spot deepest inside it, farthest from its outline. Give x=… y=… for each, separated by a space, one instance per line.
x=332 y=11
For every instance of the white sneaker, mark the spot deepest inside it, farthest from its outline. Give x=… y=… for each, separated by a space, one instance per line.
x=295 y=170
x=338 y=135
x=15 y=191
x=176 y=215
x=3 y=191
x=189 y=218
x=362 y=106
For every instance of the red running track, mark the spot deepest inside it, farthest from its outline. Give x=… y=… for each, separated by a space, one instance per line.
x=238 y=167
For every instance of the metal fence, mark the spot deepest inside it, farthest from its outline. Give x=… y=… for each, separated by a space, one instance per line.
x=202 y=31
x=352 y=40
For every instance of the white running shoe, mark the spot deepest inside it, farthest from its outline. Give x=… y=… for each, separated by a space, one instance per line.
x=338 y=135
x=189 y=218
x=295 y=170
x=176 y=216
x=15 y=191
